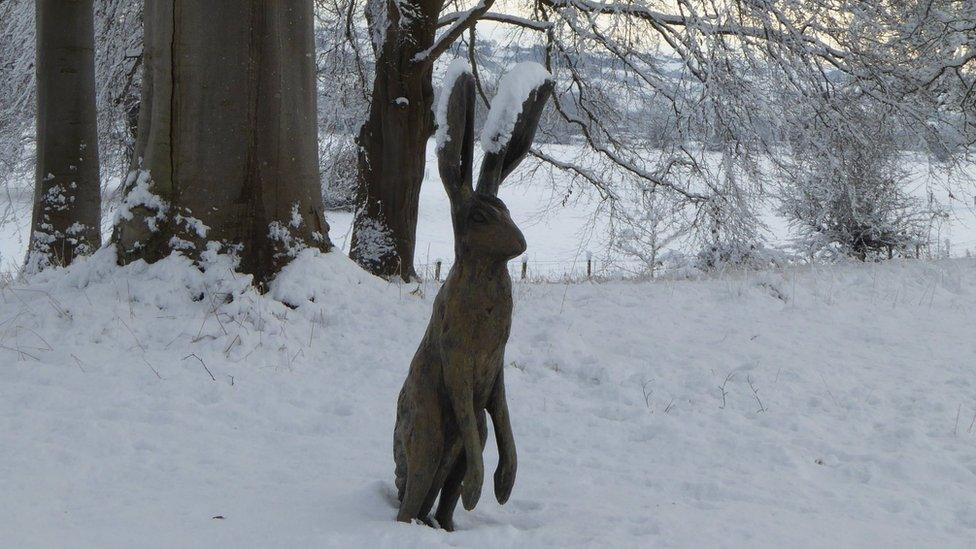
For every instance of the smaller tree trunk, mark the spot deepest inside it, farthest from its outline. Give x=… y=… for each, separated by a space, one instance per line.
x=67 y=199
x=392 y=158
x=393 y=143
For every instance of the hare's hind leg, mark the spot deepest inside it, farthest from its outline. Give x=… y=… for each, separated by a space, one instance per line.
x=451 y=451
x=452 y=485
x=424 y=449
x=450 y=495
x=421 y=469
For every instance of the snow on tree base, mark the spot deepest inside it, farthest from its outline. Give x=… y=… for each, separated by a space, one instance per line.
x=809 y=407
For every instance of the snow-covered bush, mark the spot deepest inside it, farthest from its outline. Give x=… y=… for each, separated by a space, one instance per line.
x=848 y=198
x=738 y=254
x=730 y=231
x=338 y=168
x=717 y=229
x=643 y=228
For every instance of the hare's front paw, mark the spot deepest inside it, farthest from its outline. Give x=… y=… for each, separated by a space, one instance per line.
x=471 y=485
x=504 y=478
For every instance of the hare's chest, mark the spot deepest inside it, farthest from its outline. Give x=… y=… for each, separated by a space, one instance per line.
x=489 y=322
x=476 y=329
x=494 y=324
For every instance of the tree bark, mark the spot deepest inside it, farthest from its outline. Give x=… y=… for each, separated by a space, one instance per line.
x=66 y=218
x=227 y=147
x=393 y=141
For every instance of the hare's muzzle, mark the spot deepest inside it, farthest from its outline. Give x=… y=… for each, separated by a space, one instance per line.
x=520 y=243
x=511 y=239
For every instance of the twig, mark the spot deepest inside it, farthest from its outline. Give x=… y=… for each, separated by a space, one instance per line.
x=21 y=353
x=88 y=299
x=231 y=344
x=317 y=319
x=155 y=371
x=39 y=336
x=214 y=307
x=647 y=395
x=172 y=341
x=300 y=352
x=827 y=388
x=202 y=324
x=755 y=393
x=258 y=344
x=61 y=311
x=202 y=363
x=139 y=343
x=721 y=387
x=955 y=428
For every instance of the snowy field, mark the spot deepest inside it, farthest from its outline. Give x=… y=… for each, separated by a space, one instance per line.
x=811 y=407
x=158 y=406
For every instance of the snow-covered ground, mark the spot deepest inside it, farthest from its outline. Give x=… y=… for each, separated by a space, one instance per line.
x=158 y=406
x=812 y=407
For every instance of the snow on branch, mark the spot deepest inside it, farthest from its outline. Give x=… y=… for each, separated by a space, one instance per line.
x=461 y=23
x=513 y=90
x=616 y=8
x=700 y=23
x=506 y=18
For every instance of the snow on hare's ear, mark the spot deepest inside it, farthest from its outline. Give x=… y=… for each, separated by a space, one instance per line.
x=455 y=132
x=512 y=121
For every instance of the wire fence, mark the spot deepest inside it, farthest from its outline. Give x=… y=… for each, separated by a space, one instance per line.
x=553 y=270
x=531 y=270
x=590 y=267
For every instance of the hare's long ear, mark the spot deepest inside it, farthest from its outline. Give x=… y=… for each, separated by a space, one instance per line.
x=512 y=122
x=455 y=132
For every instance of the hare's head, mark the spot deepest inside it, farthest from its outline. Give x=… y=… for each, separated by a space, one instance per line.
x=483 y=226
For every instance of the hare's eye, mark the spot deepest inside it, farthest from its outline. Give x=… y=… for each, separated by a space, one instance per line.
x=478 y=217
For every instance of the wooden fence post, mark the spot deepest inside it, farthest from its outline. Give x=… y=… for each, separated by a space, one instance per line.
x=437 y=270
x=525 y=265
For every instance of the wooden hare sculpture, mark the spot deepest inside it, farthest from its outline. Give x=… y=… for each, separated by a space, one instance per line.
x=456 y=373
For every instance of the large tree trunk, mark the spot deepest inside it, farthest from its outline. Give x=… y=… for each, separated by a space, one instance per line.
x=393 y=141
x=227 y=147
x=67 y=201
